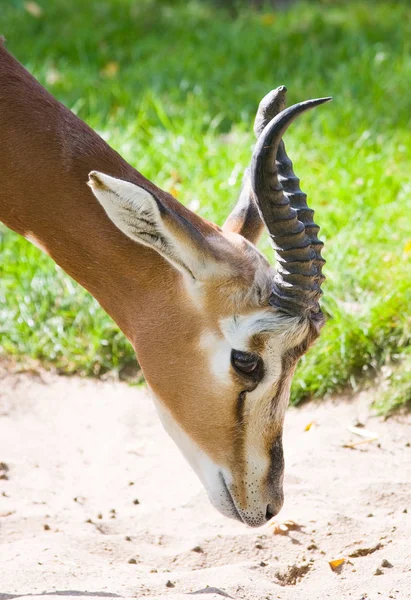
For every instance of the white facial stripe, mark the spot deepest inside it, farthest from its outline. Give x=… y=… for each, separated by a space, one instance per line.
x=237 y=333
x=239 y=329
x=218 y=349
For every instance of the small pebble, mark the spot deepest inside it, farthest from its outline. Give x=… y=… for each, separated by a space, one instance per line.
x=46 y=527
x=378 y=572
x=136 y=501
x=127 y=538
x=132 y=561
x=197 y=549
x=99 y=516
x=170 y=584
x=385 y=563
x=263 y=564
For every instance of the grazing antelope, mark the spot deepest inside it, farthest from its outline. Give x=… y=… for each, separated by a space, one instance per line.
x=217 y=331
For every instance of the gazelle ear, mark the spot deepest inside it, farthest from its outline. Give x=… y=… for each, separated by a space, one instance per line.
x=146 y=219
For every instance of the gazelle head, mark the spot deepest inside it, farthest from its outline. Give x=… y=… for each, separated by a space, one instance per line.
x=225 y=333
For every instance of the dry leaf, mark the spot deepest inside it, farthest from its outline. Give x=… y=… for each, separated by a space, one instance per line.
x=309 y=425
x=336 y=563
x=33 y=9
x=110 y=69
x=366 y=441
x=283 y=527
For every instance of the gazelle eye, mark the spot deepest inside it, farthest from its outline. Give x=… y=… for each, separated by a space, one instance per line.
x=247 y=364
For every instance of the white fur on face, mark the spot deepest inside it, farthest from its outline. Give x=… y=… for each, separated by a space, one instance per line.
x=236 y=333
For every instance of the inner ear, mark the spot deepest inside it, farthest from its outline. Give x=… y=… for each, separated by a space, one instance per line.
x=189 y=243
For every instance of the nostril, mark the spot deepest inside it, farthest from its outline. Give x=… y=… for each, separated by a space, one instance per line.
x=269 y=515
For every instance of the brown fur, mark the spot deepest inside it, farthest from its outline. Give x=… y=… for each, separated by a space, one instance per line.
x=46 y=154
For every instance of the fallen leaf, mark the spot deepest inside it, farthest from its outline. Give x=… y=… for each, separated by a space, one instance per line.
x=33 y=9
x=355 y=444
x=282 y=527
x=110 y=69
x=336 y=563
x=309 y=425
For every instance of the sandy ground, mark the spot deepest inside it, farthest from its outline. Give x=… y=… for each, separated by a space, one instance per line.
x=95 y=501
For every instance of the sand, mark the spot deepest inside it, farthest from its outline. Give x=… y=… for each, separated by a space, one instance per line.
x=96 y=502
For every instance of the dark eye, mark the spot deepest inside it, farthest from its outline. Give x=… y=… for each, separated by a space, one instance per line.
x=247 y=364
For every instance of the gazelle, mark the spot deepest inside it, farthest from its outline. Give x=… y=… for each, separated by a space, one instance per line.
x=217 y=331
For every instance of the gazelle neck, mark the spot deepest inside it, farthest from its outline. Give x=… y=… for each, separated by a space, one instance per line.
x=46 y=155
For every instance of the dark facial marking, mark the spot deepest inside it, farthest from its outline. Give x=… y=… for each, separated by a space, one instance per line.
x=276 y=460
x=276 y=471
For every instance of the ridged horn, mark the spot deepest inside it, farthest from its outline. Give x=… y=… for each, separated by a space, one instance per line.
x=298 y=201
x=270 y=106
x=296 y=288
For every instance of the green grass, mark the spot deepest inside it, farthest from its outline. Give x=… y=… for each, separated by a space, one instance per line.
x=188 y=74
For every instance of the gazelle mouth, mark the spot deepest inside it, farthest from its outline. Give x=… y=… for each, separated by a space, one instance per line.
x=235 y=512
